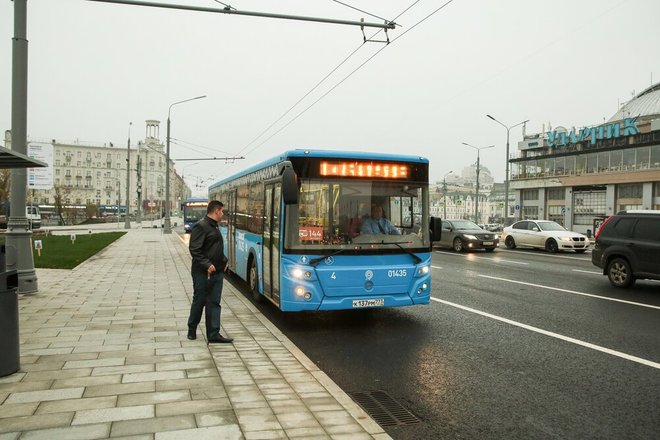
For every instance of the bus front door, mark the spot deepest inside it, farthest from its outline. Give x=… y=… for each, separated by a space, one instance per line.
x=231 y=233
x=271 y=246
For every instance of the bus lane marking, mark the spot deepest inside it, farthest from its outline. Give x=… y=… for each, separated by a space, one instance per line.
x=555 y=335
x=572 y=291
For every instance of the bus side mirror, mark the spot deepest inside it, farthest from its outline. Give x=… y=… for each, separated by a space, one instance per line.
x=436 y=228
x=289 y=185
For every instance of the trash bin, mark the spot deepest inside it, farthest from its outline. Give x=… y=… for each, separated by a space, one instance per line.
x=9 y=342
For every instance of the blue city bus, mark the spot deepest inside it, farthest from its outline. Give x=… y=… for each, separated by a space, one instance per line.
x=292 y=230
x=194 y=209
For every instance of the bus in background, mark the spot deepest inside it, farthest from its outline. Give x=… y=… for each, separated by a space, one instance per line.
x=32 y=214
x=194 y=209
x=293 y=230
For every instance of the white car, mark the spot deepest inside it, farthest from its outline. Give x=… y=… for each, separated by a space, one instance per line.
x=544 y=234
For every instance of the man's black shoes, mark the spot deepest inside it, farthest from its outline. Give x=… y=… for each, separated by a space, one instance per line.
x=219 y=339
x=192 y=335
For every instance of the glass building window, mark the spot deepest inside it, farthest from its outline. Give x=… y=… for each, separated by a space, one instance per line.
x=629 y=191
x=555 y=193
x=587 y=205
x=530 y=194
x=530 y=212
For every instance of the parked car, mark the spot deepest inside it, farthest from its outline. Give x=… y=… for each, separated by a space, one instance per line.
x=544 y=234
x=464 y=235
x=628 y=247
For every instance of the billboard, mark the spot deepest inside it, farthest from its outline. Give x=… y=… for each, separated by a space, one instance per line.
x=40 y=178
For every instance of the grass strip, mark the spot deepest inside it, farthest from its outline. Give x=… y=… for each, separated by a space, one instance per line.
x=59 y=252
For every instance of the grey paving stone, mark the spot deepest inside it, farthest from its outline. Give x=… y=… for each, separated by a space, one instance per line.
x=178 y=384
x=192 y=407
x=153 y=398
x=215 y=418
x=87 y=432
x=153 y=376
x=266 y=435
x=122 y=388
x=158 y=424
x=123 y=369
x=69 y=405
x=58 y=374
x=228 y=432
x=40 y=396
x=105 y=362
x=41 y=421
x=18 y=409
x=101 y=415
x=87 y=381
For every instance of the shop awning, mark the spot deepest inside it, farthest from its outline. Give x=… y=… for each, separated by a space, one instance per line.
x=12 y=159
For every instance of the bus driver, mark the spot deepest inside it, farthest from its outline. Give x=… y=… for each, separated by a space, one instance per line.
x=377 y=224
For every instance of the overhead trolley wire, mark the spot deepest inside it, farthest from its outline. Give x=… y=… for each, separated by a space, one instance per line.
x=350 y=74
x=360 y=10
x=317 y=86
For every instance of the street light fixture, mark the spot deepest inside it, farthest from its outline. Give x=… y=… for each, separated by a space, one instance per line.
x=476 y=198
x=506 y=173
x=444 y=192
x=167 y=228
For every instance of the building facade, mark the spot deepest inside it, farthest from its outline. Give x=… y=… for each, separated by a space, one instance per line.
x=87 y=174
x=577 y=177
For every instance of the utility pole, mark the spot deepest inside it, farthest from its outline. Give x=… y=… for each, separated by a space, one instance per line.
x=127 y=221
x=138 y=185
x=19 y=234
x=444 y=192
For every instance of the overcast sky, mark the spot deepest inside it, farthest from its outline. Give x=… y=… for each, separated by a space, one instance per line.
x=95 y=67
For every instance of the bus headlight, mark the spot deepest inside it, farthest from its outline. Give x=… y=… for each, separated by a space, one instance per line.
x=300 y=291
x=299 y=273
x=423 y=270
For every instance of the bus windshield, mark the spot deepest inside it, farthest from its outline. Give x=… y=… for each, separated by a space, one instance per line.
x=194 y=214
x=358 y=215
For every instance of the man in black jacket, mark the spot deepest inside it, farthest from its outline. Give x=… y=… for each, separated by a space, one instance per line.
x=208 y=266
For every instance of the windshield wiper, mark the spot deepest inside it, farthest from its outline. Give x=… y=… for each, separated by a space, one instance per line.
x=416 y=259
x=315 y=261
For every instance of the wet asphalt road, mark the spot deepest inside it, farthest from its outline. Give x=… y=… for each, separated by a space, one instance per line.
x=516 y=344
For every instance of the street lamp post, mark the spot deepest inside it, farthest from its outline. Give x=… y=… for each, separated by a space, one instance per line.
x=127 y=222
x=167 y=228
x=476 y=191
x=444 y=192
x=506 y=173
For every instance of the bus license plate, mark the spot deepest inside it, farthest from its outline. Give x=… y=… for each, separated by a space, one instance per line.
x=487 y=243
x=368 y=302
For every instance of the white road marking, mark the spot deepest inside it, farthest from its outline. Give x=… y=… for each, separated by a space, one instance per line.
x=510 y=261
x=571 y=291
x=472 y=256
x=436 y=267
x=566 y=257
x=555 y=335
x=587 y=271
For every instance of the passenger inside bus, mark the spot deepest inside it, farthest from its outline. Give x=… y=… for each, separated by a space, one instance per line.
x=377 y=224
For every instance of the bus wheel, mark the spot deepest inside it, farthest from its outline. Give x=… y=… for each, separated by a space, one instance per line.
x=253 y=281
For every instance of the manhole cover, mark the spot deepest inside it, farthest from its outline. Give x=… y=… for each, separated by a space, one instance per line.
x=384 y=409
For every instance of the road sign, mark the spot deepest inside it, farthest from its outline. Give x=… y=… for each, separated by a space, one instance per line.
x=517 y=207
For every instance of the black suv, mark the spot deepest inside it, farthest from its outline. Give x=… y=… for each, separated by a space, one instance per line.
x=628 y=247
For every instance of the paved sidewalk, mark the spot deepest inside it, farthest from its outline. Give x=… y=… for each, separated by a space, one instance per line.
x=104 y=354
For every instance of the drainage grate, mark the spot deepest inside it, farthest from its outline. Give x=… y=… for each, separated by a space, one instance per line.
x=384 y=409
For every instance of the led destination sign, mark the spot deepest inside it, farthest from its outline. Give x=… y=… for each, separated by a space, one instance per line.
x=364 y=169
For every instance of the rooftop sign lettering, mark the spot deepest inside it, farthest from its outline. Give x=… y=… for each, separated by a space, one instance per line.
x=593 y=134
